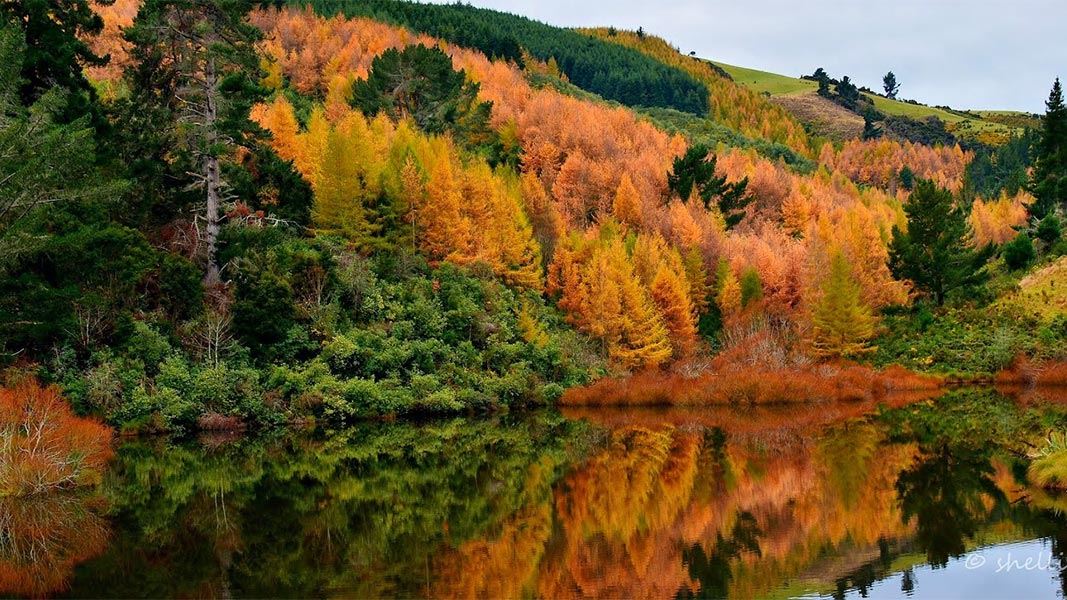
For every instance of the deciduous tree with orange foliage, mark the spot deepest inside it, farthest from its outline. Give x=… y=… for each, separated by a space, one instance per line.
x=368 y=173
x=594 y=277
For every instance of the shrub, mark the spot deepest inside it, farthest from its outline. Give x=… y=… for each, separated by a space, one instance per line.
x=1048 y=468
x=1049 y=229
x=147 y=345
x=752 y=386
x=1019 y=252
x=43 y=446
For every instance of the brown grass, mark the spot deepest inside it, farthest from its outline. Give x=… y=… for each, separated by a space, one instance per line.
x=1028 y=373
x=827 y=119
x=43 y=445
x=821 y=383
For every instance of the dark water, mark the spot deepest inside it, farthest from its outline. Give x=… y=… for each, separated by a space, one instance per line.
x=849 y=501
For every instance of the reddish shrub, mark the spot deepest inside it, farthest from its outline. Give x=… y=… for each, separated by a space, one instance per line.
x=43 y=445
x=213 y=421
x=1025 y=372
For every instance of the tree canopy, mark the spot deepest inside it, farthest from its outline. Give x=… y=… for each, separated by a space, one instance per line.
x=934 y=253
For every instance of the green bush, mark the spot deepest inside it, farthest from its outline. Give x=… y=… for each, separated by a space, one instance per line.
x=1049 y=229
x=1019 y=252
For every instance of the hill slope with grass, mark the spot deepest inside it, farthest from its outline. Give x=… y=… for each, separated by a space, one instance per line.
x=796 y=94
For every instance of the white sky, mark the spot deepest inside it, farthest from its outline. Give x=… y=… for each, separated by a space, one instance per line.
x=976 y=54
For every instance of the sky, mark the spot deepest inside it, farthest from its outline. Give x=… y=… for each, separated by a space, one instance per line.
x=968 y=54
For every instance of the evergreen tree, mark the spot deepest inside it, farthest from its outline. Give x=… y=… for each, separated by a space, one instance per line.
x=420 y=83
x=841 y=323
x=55 y=34
x=43 y=164
x=890 y=85
x=907 y=178
x=824 y=82
x=1049 y=229
x=1019 y=252
x=197 y=75
x=695 y=172
x=871 y=131
x=1049 y=181
x=848 y=95
x=934 y=253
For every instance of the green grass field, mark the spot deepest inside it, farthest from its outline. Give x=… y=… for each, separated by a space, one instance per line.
x=989 y=123
x=771 y=83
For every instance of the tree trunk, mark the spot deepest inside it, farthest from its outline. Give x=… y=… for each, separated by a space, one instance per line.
x=212 y=177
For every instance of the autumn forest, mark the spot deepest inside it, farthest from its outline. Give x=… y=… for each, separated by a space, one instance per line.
x=296 y=226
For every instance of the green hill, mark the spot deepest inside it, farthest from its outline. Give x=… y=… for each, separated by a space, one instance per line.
x=986 y=126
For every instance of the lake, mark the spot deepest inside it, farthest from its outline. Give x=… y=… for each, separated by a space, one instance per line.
x=923 y=498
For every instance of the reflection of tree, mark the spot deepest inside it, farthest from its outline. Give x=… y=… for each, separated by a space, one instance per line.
x=43 y=538
x=713 y=570
x=375 y=510
x=946 y=492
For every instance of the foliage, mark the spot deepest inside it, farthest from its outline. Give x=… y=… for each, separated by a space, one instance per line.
x=1003 y=169
x=44 y=164
x=879 y=162
x=419 y=83
x=1019 y=252
x=890 y=85
x=963 y=339
x=732 y=104
x=612 y=71
x=841 y=324
x=693 y=176
x=54 y=34
x=1049 y=178
x=197 y=73
x=933 y=253
x=713 y=134
x=1049 y=229
x=1048 y=466
x=43 y=445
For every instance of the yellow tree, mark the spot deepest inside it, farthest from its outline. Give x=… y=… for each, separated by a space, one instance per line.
x=626 y=207
x=671 y=294
x=842 y=324
x=729 y=294
x=644 y=341
x=439 y=217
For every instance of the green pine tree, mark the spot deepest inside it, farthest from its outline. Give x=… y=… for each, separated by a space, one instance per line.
x=195 y=80
x=44 y=164
x=55 y=33
x=695 y=171
x=890 y=85
x=935 y=253
x=420 y=83
x=1049 y=182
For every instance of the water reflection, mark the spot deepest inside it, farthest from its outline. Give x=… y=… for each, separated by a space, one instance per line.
x=841 y=501
x=44 y=538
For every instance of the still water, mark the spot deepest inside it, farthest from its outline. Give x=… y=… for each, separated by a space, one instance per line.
x=927 y=500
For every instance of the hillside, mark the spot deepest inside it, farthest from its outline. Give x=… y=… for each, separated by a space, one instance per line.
x=406 y=208
x=611 y=71
x=985 y=126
